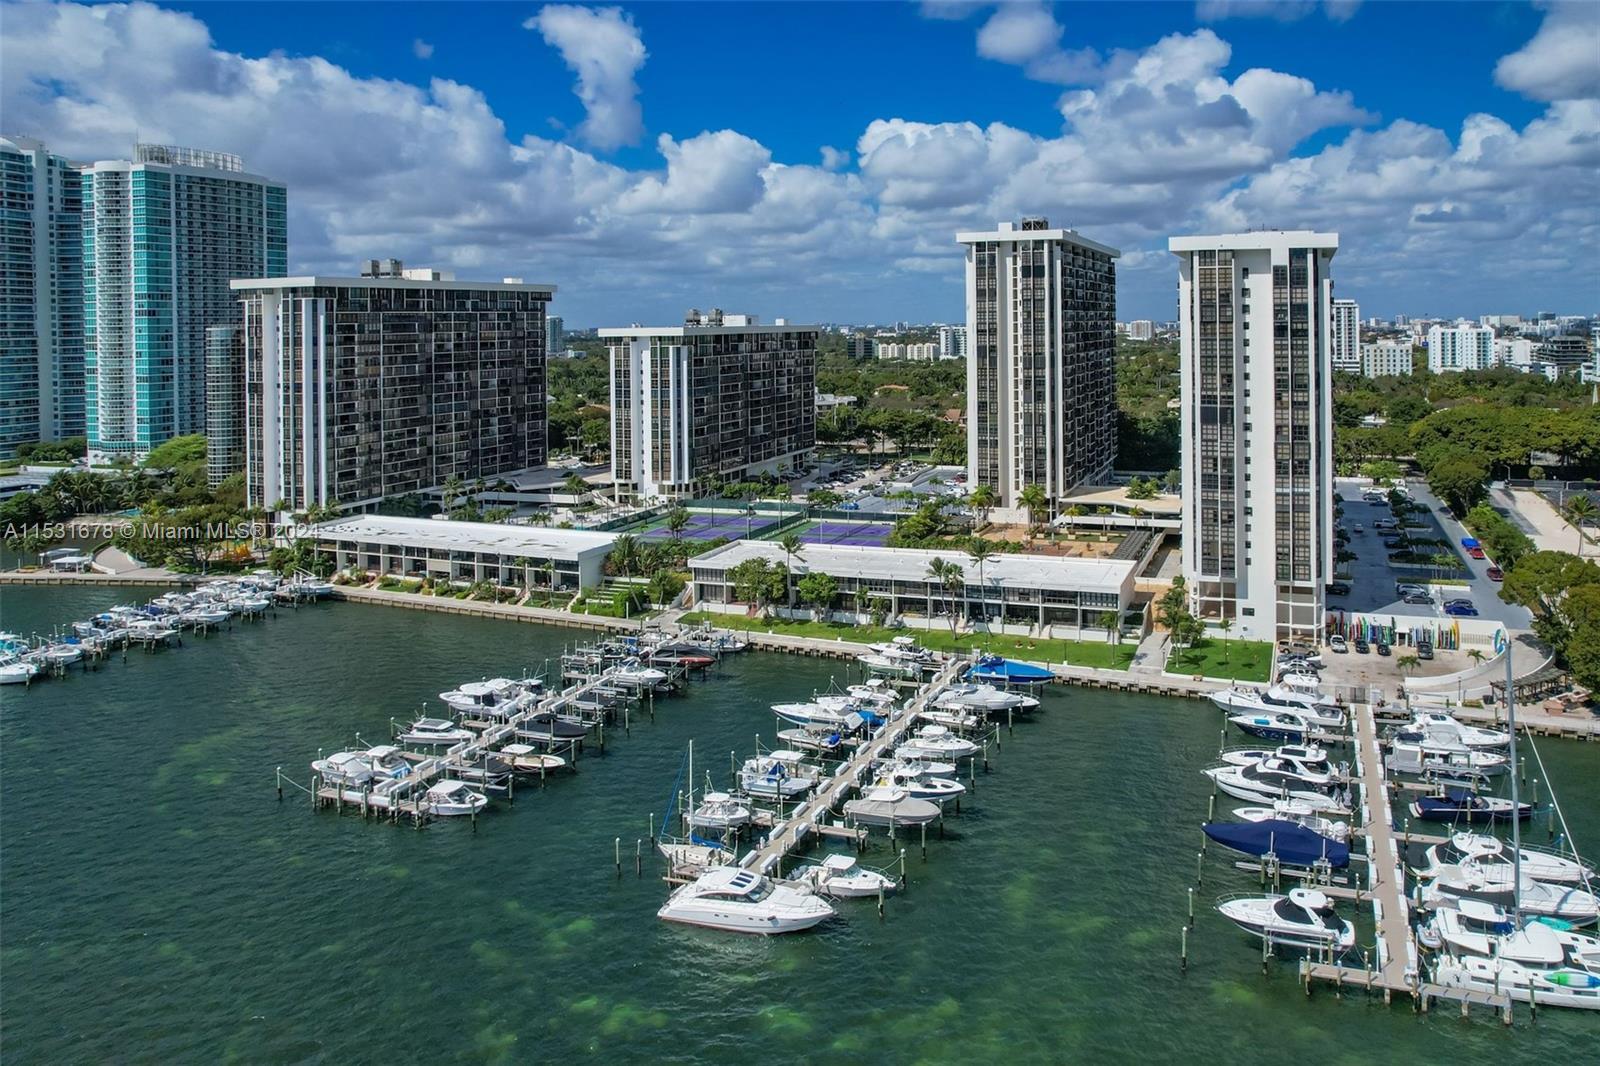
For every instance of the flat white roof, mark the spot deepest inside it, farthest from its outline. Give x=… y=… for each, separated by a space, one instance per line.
x=309 y=280
x=911 y=564
x=445 y=535
x=1070 y=235
x=701 y=331
x=1255 y=240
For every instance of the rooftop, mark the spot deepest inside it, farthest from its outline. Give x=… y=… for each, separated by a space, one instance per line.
x=1255 y=240
x=307 y=281
x=445 y=535
x=911 y=564
x=1007 y=231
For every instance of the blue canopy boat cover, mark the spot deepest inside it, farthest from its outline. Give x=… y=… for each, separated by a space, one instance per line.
x=1293 y=843
x=994 y=668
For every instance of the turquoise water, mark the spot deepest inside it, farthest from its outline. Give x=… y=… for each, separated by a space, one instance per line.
x=157 y=902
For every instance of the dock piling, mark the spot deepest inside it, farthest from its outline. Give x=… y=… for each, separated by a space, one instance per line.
x=1183 y=950
x=280 y=784
x=619 y=857
x=1191 y=908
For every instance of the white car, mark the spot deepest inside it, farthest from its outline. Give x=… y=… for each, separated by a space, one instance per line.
x=1337 y=643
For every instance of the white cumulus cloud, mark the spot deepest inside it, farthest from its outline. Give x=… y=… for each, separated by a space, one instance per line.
x=602 y=46
x=421 y=49
x=1562 y=62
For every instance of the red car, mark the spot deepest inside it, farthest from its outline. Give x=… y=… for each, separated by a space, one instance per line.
x=1476 y=553
x=1496 y=574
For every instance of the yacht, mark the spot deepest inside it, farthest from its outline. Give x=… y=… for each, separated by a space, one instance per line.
x=1304 y=918
x=841 y=877
x=781 y=774
x=1452 y=882
x=742 y=901
x=1474 y=927
x=388 y=761
x=1442 y=728
x=437 y=731
x=1492 y=851
x=940 y=790
x=1467 y=808
x=1289 y=842
x=344 y=768
x=475 y=697
x=890 y=805
x=985 y=699
x=1272 y=779
x=903 y=648
x=1299 y=812
x=1277 y=725
x=719 y=811
x=919 y=766
x=815 y=713
x=1308 y=758
x=451 y=799
x=936 y=742
x=1320 y=714
x=1558 y=987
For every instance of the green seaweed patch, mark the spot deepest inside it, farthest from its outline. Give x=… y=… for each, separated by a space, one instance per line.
x=1233 y=994
x=783 y=1020
x=629 y=1018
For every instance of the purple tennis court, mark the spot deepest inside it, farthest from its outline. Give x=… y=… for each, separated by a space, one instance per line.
x=856 y=534
x=710 y=527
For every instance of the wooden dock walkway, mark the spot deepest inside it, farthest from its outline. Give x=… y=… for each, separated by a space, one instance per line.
x=807 y=817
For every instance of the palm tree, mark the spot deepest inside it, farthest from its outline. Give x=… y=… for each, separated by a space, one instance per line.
x=1226 y=625
x=1476 y=656
x=1075 y=512
x=1404 y=663
x=982 y=501
x=1581 y=509
x=677 y=522
x=951 y=577
x=625 y=554
x=981 y=550
x=449 y=493
x=792 y=547
x=1034 y=499
x=549 y=570
x=575 y=486
x=1108 y=622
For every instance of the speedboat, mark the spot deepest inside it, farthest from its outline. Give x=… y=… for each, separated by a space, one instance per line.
x=1559 y=987
x=952 y=718
x=344 y=768
x=781 y=774
x=438 y=731
x=15 y=670
x=1277 y=725
x=1003 y=671
x=632 y=671
x=940 y=790
x=546 y=726
x=1492 y=851
x=813 y=738
x=388 y=761
x=903 y=648
x=450 y=799
x=1304 y=918
x=474 y=697
x=920 y=767
x=890 y=805
x=841 y=877
x=985 y=699
x=1273 y=779
x=1443 y=728
x=1468 y=808
x=525 y=758
x=816 y=713
x=936 y=742
x=891 y=666
x=1292 y=843
x=1474 y=927
x=719 y=811
x=63 y=654
x=742 y=901
x=1493 y=884
x=1300 y=812
x=875 y=692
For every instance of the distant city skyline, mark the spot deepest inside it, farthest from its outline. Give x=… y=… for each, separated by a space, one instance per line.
x=574 y=144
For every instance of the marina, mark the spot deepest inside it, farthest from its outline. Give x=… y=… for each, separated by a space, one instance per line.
x=554 y=954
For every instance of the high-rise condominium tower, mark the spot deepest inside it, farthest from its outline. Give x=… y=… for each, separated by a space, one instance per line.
x=1347 y=336
x=357 y=389
x=1256 y=314
x=41 y=295
x=717 y=397
x=163 y=236
x=1041 y=374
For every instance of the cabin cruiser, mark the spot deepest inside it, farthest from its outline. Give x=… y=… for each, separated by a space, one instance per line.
x=634 y=672
x=1452 y=882
x=936 y=742
x=940 y=790
x=841 y=877
x=450 y=799
x=1304 y=918
x=1272 y=779
x=890 y=805
x=1319 y=714
x=15 y=670
x=1308 y=758
x=476 y=697
x=985 y=699
x=1299 y=812
x=1429 y=759
x=742 y=901
x=1492 y=851
x=1474 y=927
x=781 y=774
x=719 y=811
x=1468 y=808
x=437 y=731
x=1276 y=725
x=1558 y=987
x=344 y=768
x=815 y=713
x=1443 y=729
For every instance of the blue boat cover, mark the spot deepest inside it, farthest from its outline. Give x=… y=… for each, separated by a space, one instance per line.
x=1294 y=844
x=990 y=666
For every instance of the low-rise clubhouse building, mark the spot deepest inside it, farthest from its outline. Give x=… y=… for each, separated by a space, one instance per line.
x=510 y=555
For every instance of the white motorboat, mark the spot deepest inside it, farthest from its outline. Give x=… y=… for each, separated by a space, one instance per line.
x=903 y=648
x=1544 y=866
x=15 y=670
x=985 y=699
x=205 y=616
x=890 y=805
x=475 y=697
x=388 y=761
x=1274 y=725
x=1559 y=987
x=841 y=877
x=891 y=666
x=719 y=811
x=439 y=731
x=527 y=759
x=940 y=790
x=952 y=718
x=1320 y=714
x=1474 y=927
x=781 y=774
x=1304 y=918
x=1294 y=810
x=1431 y=758
x=344 y=768
x=452 y=799
x=840 y=717
x=876 y=692
x=1274 y=779
x=1307 y=758
x=1493 y=883
x=634 y=672
x=1442 y=728
x=936 y=742
x=742 y=901
x=920 y=767
x=813 y=738
x=62 y=654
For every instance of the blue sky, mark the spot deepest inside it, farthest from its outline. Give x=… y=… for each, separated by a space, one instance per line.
x=815 y=159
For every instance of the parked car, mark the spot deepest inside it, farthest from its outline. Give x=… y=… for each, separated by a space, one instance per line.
x=1361 y=645
x=1383 y=647
x=1476 y=553
x=1407 y=588
x=1420 y=599
x=1337 y=643
x=1338 y=588
x=1469 y=543
x=1496 y=574
x=1385 y=523
x=1394 y=542
x=1359 y=529
x=1424 y=650
x=1461 y=610
x=1455 y=601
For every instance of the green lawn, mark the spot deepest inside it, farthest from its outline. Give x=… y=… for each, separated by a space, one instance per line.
x=1074 y=652
x=1246 y=660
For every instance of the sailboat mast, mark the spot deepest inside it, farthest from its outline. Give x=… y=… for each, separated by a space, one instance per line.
x=1516 y=810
